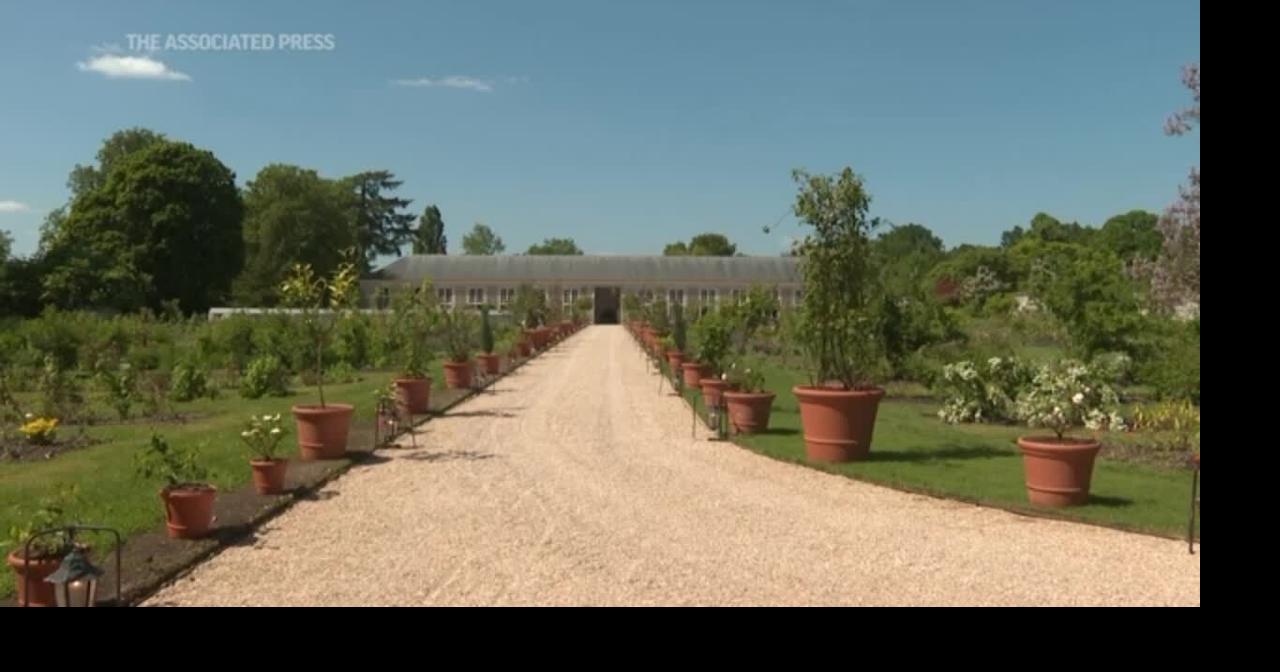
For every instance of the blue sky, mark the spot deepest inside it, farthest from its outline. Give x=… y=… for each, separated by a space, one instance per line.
x=629 y=125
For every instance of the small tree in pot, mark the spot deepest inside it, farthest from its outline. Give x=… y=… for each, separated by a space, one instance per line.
x=489 y=361
x=416 y=314
x=750 y=404
x=715 y=334
x=262 y=434
x=323 y=428
x=457 y=332
x=188 y=499
x=838 y=409
x=679 y=340
x=46 y=553
x=1063 y=396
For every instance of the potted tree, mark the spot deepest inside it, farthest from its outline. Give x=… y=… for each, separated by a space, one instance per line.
x=749 y=403
x=714 y=334
x=1063 y=396
x=675 y=351
x=322 y=428
x=46 y=553
x=262 y=434
x=457 y=336
x=415 y=318
x=489 y=362
x=838 y=408
x=188 y=499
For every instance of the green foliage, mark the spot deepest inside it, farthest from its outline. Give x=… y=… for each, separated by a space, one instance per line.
x=984 y=392
x=322 y=303
x=486 y=332
x=746 y=375
x=266 y=375
x=482 y=241
x=262 y=435
x=657 y=314
x=714 y=336
x=190 y=382
x=135 y=240
x=530 y=306
x=292 y=216
x=1170 y=361
x=1088 y=291
x=1069 y=394
x=429 y=237
x=550 y=246
x=379 y=225
x=679 y=330
x=121 y=388
x=51 y=511
x=837 y=329
x=458 y=330
x=632 y=308
x=1132 y=236
x=415 y=318
x=59 y=393
x=173 y=466
x=702 y=245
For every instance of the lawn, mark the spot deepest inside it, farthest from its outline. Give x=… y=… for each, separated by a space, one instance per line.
x=914 y=450
x=111 y=495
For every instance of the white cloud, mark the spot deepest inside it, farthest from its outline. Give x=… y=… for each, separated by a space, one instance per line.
x=450 y=82
x=13 y=206
x=115 y=66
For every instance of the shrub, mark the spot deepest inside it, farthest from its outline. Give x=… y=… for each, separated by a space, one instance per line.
x=121 y=388
x=174 y=466
x=714 y=336
x=984 y=392
x=262 y=434
x=265 y=375
x=746 y=376
x=1069 y=394
x=40 y=431
x=59 y=393
x=189 y=382
x=1172 y=368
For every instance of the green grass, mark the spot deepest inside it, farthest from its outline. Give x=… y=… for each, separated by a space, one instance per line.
x=110 y=493
x=914 y=450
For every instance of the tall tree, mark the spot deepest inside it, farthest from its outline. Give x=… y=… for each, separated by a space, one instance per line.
x=482 y=241
x=376 y=216
x=292 y=216
x=702 y=245
x=1132 y=236
x=429 y=238
x=164 y=226
x=121 y=144
x=563 y=246
x=906 y=254
x=1176 y=273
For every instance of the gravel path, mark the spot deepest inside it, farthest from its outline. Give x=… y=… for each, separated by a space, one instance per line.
x=577 y=484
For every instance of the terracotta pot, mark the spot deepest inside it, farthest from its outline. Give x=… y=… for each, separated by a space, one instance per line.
x=566 y=328
x=749 y=411
x=490 y=363
x=37 y=568
x=674 y=359
x=268 y=475
x=414 y=395
x=694 y=373
x=457 y=375
x=188 y=510
x=838 y=424
x=323 y=430
x=1058 y=471
x=713 y=390
x=524 y=347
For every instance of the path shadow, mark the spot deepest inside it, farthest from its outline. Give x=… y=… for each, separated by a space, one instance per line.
x=318 y=496
x=242 y=534
x=917 y=456
x=365 y=459
x=1112 y=502
x=450 y=456
x=489 y=413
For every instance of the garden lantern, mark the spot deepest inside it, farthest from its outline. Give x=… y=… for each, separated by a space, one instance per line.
x=76 y=579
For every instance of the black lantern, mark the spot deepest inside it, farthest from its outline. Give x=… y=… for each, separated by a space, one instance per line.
x=76 y=579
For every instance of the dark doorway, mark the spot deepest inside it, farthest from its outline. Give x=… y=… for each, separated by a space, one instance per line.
x=606 y=305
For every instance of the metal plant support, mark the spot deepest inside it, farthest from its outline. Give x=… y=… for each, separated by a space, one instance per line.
x=1195 y=504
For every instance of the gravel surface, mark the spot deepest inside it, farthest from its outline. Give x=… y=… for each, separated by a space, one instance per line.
x=576 y=483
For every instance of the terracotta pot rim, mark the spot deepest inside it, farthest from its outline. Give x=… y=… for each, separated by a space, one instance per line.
x=15 y=559
x=189 y=489
x=413 y=379
x=260 y=462
x=327 y=409
x=457 y=365
x=836 y=393
x=1066 y=443
x=691 y=365
x=715 y=382
x=735 y=394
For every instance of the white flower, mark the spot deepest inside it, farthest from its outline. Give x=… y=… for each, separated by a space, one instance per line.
x=246 y=434
x=1078 y=399
x=724 y=376
x=275 y=431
